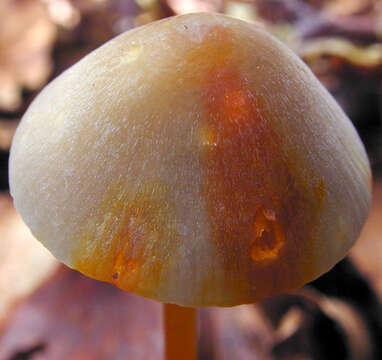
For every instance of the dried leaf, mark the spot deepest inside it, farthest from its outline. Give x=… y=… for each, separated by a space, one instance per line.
x=74 y=317
x=314 y=326
x=240 y=333
x=24 y=262
x=26 y=39
x=367 y=57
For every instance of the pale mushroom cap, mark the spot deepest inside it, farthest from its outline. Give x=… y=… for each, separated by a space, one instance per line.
x=196 y=161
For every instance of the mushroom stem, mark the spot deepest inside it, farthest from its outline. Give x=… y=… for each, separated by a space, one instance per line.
x=180 y=332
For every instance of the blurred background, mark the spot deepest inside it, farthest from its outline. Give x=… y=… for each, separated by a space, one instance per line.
x=50 y=312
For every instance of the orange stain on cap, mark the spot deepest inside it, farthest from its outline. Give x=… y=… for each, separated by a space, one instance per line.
x=128 y=240
x=263 y=208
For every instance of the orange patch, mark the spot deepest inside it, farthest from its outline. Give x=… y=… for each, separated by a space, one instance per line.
x=127 y=241
x=262 y=202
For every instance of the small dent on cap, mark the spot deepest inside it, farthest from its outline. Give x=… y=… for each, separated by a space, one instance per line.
x=124 y=267
x=269 y=236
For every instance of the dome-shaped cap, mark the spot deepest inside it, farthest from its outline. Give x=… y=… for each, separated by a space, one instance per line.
x=195 y=161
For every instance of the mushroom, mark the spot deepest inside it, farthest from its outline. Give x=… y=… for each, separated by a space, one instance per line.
x=196 y=161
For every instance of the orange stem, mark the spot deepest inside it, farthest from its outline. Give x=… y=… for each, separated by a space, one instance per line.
x=180 y=332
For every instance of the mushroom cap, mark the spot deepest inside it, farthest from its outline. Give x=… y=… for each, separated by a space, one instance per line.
x=195 y=160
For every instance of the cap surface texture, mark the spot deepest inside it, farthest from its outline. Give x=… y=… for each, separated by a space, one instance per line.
x=196 y=161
